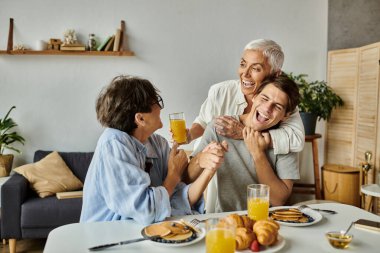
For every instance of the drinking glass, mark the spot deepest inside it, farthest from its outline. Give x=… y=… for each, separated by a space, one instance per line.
x=258 y=201
x=220 y=236
x=178 y=127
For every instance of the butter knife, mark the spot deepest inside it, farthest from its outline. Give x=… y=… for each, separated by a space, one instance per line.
x=104 y=246
x=324 y=210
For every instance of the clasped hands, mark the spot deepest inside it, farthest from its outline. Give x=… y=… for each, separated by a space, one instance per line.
x=212 y=156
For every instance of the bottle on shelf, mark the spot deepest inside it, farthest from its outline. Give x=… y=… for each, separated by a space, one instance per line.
x=91 y=44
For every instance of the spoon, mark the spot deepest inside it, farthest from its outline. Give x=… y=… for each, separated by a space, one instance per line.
x=348 y=229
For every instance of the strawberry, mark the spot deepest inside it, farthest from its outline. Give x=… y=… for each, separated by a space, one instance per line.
x=255 y=246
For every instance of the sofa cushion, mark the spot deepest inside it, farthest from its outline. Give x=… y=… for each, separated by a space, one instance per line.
x=78 y=162
x=50 y=212
x=50 y=175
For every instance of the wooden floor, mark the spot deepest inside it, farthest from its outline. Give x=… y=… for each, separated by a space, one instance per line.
x=26 y=246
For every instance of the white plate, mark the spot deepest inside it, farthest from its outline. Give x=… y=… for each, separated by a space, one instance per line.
x=200 y=236
x=313 y=214
x=268 y=249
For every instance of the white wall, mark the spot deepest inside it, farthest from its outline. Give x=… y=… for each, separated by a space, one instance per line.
x=183 y=47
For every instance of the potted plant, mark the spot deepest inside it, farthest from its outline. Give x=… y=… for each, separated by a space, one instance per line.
x=7 y=139
x=317 y=101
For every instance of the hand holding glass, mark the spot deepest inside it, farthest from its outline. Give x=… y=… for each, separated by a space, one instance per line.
x=258 y=201
x=220 y=236
x=178 y=127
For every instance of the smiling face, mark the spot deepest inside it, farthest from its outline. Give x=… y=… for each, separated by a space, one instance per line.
x=153 y=119
x=268 y=109
x=253 y=69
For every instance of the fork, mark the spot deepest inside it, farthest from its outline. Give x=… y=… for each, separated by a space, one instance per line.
x=301 y=207
x=195 y=222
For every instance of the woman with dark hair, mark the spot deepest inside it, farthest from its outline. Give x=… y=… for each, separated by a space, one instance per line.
x=134 y=174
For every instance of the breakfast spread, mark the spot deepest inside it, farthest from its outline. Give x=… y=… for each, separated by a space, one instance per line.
x=251 y=234
x=290 y=215
x=171 y=232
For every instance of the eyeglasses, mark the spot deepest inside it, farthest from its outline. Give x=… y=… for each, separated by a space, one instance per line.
x=159 y=102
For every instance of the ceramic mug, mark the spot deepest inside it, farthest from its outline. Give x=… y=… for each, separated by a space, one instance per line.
x=41 y=45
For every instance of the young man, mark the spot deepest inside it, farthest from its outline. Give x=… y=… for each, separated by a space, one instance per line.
x=133 y=173
x=260 y=59
x=252 y=160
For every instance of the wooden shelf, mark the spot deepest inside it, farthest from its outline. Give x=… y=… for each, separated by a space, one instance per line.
x=55 y=52
x=9 y=50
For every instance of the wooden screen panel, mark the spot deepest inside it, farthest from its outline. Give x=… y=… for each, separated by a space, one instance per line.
x=368 y=136
x=367 y=104
x=340 y=131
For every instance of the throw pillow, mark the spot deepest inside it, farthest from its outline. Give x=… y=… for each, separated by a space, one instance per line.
x=50 y=175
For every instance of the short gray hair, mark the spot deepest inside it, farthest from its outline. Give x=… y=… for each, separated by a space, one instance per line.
x=271 y=50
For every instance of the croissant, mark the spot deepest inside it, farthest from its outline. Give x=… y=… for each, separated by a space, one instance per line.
x=235 y=220
x=244 y=237
x=266 y=231
x=239 y=221
x=248 y=222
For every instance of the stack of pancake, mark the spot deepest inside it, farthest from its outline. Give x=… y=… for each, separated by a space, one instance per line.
x=289 y=215
x=170 y=231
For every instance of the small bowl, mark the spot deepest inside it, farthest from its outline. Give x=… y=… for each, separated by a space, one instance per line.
x=338 y=239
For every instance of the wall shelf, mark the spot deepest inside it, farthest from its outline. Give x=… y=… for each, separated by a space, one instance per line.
x=9 y=50
x=56 y=52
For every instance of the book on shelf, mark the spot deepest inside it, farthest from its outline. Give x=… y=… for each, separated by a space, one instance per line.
x=116 y=45
x=69 y=195
x=104 y=44
x=73 y=47
x=110 y=43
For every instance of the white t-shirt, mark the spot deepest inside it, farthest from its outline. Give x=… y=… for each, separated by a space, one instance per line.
x=226 y=98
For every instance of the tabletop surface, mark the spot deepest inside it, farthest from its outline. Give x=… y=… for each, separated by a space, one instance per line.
x=371 y=189
x=79 y=237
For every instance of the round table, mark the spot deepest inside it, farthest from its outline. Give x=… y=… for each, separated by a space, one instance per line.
x=372 y=190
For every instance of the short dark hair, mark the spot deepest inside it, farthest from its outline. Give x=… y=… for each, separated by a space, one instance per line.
x=125 y=96
x=288 y=86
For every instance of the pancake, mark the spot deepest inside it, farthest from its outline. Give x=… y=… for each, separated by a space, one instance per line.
x=156 y=229
x=289 y=215
x=179 y=237
x=170 y=231
x=290 y=211
x=175 y=228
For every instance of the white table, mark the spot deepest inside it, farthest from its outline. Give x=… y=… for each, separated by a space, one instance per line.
x=372 y=190
x=79 y=237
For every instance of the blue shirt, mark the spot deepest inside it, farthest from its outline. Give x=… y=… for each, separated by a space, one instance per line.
x=118 y=188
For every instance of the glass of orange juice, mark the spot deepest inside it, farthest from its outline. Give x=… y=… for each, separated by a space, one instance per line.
x=220 y=236
x=258 y=201
x=178 y=127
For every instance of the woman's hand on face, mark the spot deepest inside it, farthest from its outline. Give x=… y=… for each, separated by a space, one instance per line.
x=230 y=127
x=178 y=161
x=256 y=142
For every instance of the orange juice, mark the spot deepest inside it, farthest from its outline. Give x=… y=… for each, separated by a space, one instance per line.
x=178 y=127
x=258 y=209
x=220 y=241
